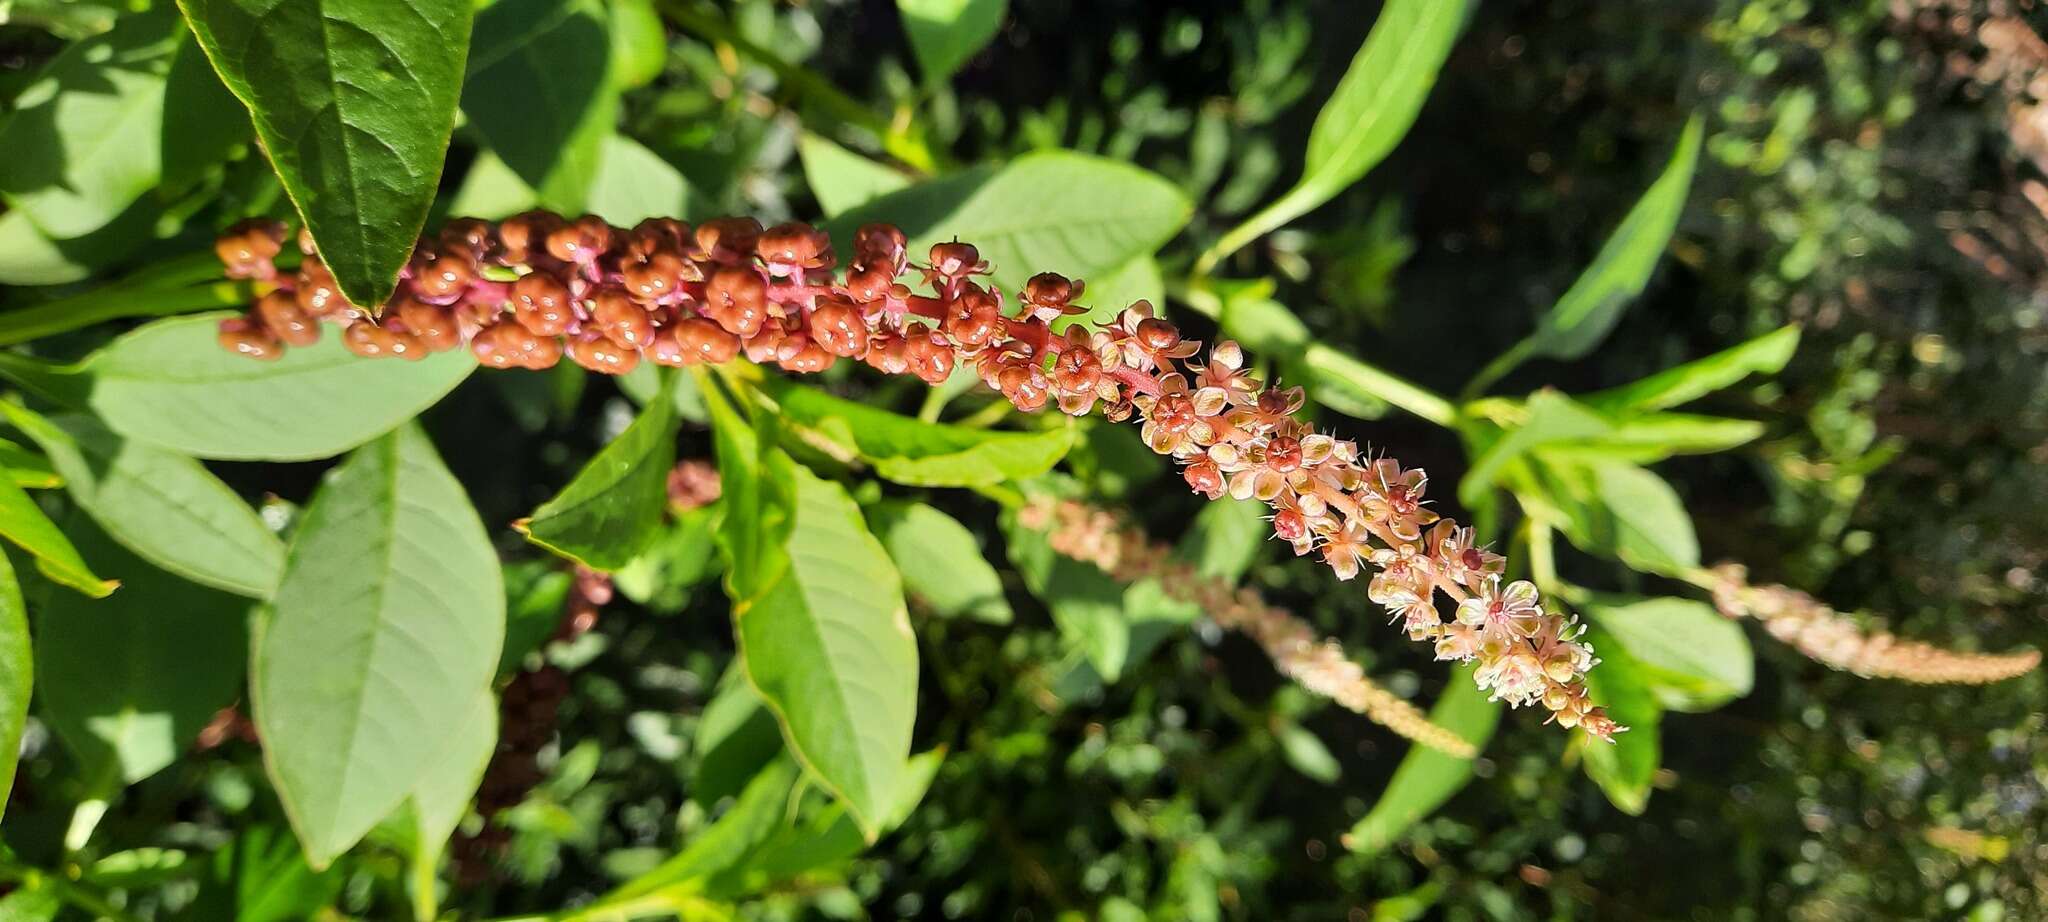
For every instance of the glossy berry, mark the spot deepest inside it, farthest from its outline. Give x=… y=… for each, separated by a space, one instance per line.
x=247 y=336
x=540 y=302
x=282 y=316
x=603 y=356
x=621 y=319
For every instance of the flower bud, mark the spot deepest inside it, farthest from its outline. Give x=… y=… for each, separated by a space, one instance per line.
x=737 y=298
x=837 y=327
x=582 y=241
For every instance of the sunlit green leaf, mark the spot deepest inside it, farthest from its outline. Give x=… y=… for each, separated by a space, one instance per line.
x=1426 y=778
x=163 y=506
x=1368 y=113
x=23 y=523
x=918 y=453
x=1692 y=657
x=842 y=180
x=82 y=144
x=1625 y=767
x=354 y=101
x=168 y=383
x=1621 y=510
x=941 y=561
x=945 y=33
x=17 y=674
x=1764 y=355
x=1051 y=211
x=441 y=796
x=389 y=618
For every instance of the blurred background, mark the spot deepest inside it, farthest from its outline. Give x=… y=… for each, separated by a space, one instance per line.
x=1871 y=170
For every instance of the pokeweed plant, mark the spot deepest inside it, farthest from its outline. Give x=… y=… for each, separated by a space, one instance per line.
x=389 y=653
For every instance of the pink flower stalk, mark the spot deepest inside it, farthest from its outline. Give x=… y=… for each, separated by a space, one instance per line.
x=523 y=293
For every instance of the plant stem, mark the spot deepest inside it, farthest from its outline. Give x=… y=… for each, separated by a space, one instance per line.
x=112 y=303
x=1282 y=210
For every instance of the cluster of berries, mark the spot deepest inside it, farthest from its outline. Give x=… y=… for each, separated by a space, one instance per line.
x=523 y=292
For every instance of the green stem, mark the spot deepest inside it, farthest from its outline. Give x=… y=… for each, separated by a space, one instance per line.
x=112 y=303
x=1268 y=219
x=1385 y=385
x=425 y=883
x=902 y=142
x=1498 y=368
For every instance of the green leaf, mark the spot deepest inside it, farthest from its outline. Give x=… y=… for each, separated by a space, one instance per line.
x=612 y=510
x=541 y=93
x=1112 y=624
x=204 y=125
x=1050 y=211
x=736 y=737
x=917 y=453
x=169 y=384
x=1656 y=436
x=946 y=33
x=1370 y=111
x=842 y=180
x=1582 y=317
x=272 y=883
x=1621 y=510
x=1764 y=355
x=1624 y=768
x=23 y=522
x=1306 y=753
x=1426 y=778
x=1692 y=657
x=1111 y=292
x=819 y=612
x=827 y=642
x=534 y=593
x=639 y=42
x=165 y=507
x=82 y=144
x=817 y=840
x=441 y=796
x=27 y=469
x=634 y=183
x=941 y=561
x=760 y=810
x=1226 y=538
x=354 y=101
x=1585 y=313
x=1552 y=418
x=389 y=617
x=17 y=674
x=121 y=678
x=684 y=553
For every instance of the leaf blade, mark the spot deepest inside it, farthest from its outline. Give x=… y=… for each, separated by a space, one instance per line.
x=357 y=133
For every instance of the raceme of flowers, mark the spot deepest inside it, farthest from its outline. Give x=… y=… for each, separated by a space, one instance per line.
x=1828 y=637
x=1094 y=536
x=524 y=292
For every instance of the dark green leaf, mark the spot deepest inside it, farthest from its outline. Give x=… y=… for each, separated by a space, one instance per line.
x=1624 y=768
x=945 y=33
x=23 y=522
x=683 y=554
x=163 y=506
x=612 y=510
x=83 y=144
x=1764 y=355
x=169 y=384
x=1427 y=778
x=1052 y=211
x=204 y=125
x=908 y=451
x=17 y=674
x=354 y=101
x=534 y=593
x=390 y=616
x=1692 y=657
x=121 y=680
x=941 y=561
x=541 y=94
